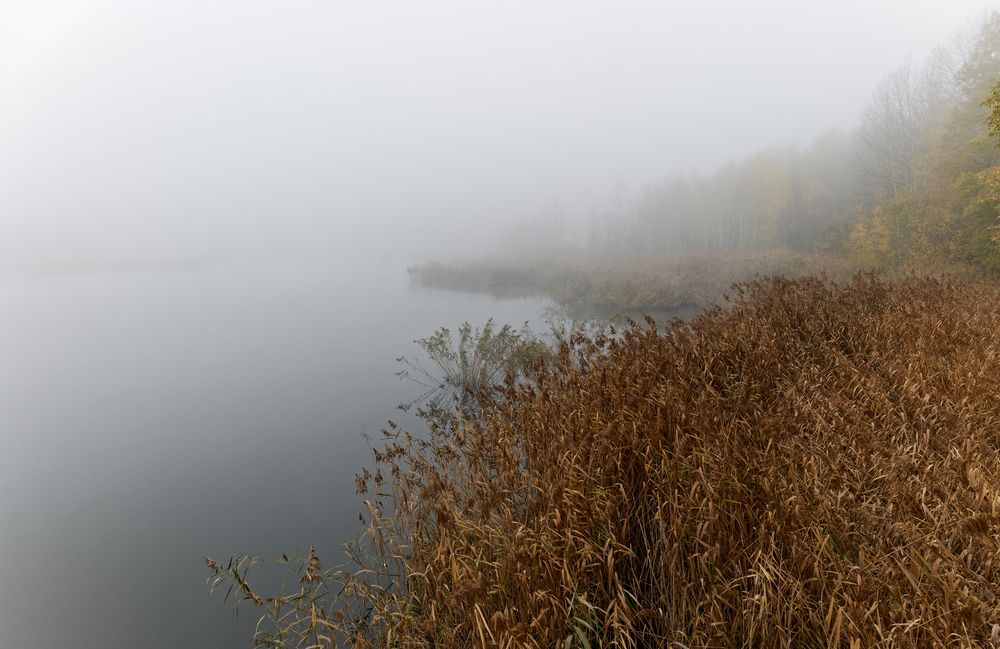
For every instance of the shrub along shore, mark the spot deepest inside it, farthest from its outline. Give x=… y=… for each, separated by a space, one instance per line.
x=625 y=282
x=609 y=283
x=815 y=464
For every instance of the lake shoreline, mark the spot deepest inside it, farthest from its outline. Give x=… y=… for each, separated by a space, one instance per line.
x=814 y=452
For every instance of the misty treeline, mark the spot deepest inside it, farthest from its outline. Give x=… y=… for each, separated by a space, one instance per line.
x=919 y=179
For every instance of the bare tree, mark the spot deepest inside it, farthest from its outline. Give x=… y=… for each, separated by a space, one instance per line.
x=887 y=140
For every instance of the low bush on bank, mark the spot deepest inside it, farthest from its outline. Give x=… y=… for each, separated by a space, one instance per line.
x=475 y=360
x=626 y=282
x=816 y=464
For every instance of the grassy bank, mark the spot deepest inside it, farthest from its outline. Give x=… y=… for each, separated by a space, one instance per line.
x=624 y=282
x=815 y=465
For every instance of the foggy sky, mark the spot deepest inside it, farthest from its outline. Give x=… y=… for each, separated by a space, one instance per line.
x=255 y=129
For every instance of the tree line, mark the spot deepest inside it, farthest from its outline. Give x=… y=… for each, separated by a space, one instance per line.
x=918 y=180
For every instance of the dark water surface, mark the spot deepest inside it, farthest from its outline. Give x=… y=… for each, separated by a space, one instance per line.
x=149 y=419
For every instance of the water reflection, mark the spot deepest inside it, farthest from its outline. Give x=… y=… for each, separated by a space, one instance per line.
x=148 y=419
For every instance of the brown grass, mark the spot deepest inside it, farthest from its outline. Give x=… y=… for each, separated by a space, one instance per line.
x=816 y=465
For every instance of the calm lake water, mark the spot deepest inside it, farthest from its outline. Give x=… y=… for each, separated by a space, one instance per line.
x=149 y=419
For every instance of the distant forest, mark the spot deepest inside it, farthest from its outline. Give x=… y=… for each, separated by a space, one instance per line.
x=919 y=180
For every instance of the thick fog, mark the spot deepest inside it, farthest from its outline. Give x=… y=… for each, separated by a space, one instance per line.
x=295 y=156
x=144 y=134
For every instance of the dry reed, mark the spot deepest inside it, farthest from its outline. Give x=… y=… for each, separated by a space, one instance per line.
x=814 y=465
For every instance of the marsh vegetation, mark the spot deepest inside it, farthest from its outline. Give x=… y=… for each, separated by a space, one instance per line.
x=814 y=465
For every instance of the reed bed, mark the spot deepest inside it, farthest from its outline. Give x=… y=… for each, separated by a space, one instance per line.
x=813 y=465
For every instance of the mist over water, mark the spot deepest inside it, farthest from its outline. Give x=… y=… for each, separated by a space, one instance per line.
x=206 y=215
x=151 y=419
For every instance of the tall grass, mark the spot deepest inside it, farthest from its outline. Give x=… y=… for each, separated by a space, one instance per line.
x=476 y=360
x=815 y=465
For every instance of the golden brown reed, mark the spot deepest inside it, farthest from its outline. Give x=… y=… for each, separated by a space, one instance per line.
x=815 y=465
